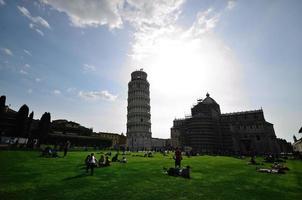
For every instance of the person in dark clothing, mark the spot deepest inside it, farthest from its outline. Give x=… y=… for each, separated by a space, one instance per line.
x=66 y=147
x=177 y=158
x=91 y=164
x=185 y=173
x=102 y=161
x=107 y=162
x=115 y=158
x=87 y=160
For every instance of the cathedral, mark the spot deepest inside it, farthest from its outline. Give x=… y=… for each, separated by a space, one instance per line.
x=209 y=131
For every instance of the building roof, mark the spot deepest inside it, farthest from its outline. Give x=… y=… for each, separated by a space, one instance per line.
x=209 y=100
x=242 y=112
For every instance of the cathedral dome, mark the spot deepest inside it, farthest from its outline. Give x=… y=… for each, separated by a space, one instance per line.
x=209 y=100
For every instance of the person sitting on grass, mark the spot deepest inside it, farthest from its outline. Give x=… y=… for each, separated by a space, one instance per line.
x=270 y=171
x=115 y=158
x=102 y=161
x=54 y=153
x=107 y=162
x=46 y=152
x=49 y=153
x=279 y=166
x=171 y=171
x=253 y=161
x=124 y=160
x=185 y=172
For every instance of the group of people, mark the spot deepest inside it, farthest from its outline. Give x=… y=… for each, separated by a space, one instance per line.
x=276 y=168
x=91 y=162
x=177 y=170
x=50 y=152
x=53 y=152
x=183 y=172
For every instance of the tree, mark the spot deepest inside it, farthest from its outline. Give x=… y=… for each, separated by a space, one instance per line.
x=295 y=139
x=21 y=121
x=44 y=127
x=2 y=103
x=29 y=122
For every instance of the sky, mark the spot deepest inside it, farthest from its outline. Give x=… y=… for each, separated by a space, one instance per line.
x=74 y=58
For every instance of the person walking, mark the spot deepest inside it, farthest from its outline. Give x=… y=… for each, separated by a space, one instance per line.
x=66 y=147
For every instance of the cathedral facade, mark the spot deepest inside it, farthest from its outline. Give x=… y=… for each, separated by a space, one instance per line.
x=207 y=130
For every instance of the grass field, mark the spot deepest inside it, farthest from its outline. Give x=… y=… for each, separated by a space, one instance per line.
x=25 y=175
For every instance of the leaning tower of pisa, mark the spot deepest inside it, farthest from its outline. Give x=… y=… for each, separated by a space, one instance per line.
x=138 y=117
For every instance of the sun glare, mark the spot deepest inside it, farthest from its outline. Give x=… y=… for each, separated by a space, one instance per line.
x=182 y=67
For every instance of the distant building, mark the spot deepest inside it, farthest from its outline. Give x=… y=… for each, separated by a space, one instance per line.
x=209 y=131
x=297 y=145
x=159 y=144
x=62 y=126
x=118 y=141
x=138 y=112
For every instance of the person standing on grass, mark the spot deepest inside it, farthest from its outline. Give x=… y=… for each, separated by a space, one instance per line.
x=92 y=163
x=177 y=158
x=66 y=147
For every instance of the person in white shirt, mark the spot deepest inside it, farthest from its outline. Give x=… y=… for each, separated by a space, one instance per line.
x=92 y=163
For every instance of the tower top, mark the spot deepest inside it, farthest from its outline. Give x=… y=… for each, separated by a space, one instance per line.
x=139 y=74
x=207 y=94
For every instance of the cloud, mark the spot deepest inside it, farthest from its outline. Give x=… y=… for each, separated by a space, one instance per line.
x=231 y=4
x=2 y=3
x=113 y=13
x=87 y=67
x=205 y=22
x=7 y=51
x=34 y=27
x=27 y=66
x=23 y=72
x=37 y=80
x=146 y=15
x=27 y=52
x=96 y=95
x=71 y=90
x=91 y=13
x=40 y=32
x=36 y=20
x=56 y=92
x=29 y=91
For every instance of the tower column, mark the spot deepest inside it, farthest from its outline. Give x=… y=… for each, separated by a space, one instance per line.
x=138 y=112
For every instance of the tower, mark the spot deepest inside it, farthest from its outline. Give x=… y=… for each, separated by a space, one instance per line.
x=138 y=109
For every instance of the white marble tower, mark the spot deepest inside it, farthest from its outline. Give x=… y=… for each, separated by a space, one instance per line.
x=138 y=117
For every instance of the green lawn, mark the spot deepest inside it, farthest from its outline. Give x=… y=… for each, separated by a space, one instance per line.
x=25 y=175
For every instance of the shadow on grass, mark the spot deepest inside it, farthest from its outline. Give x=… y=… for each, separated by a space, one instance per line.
x=76 y=177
